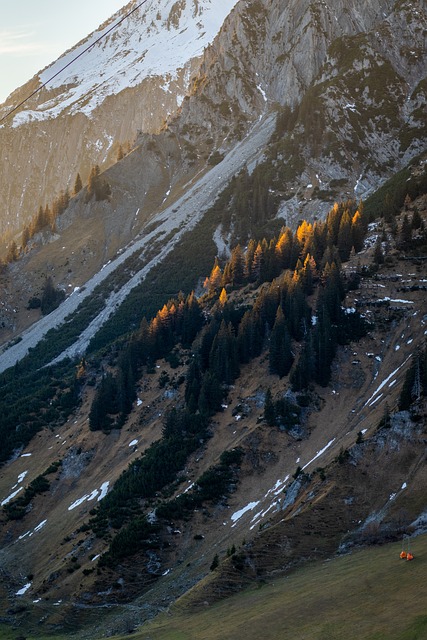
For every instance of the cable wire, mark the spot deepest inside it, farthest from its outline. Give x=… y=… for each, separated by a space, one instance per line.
x=73 y=60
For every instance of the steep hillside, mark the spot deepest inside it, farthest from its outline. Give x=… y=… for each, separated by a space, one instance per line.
x=327 y=144
x=339 y=465
x=354 y=78
x=373 y=581
x=211 y=373
x=129 y=81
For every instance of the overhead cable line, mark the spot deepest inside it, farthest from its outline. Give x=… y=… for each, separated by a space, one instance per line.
x=73 y=60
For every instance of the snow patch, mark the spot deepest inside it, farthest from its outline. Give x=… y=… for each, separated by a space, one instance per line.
x=38 y=528
x=238 y=514
x=319 y=453
x=262 y=92
x=387 y=299
x=278 y=487
x=24 y=589
x=102 y=491
x=9 y=498
x=128 y=55
x=356 y=186
x=261 y=514
x=376 y=392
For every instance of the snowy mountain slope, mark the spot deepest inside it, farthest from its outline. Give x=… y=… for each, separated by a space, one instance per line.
x=179 y=218
x=127 y=83
x=49 y=558
x=358 y=99
x=156 y=40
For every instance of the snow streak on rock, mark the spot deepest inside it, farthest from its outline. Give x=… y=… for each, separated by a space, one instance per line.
x=159 y=39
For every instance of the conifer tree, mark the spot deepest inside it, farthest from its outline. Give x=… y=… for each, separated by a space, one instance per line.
x=344 y=240
x=25 y=237
x=333 y=220
x=416 y=221
x=78 y=185
x=214 y=281
x=257 y=264
x=324 y=346
x=192 y=319
x=280 y=355
x=250 y=336
x=357 y=232
x=13 y=253
x=304 y=231
x=308 y=274
x=249 y=257
x=42 y=219
x=223 y=298
x=378 y=252
x=237 y=266
x=211 y=394
x=223 y=357
x=405 y=231
x=51 y=297
x=269 y=410
x=302 y=373
x=284 y=248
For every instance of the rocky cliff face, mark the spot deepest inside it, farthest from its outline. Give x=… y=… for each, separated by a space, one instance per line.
x=352 y=73
x=128 y=82
x=348 y=82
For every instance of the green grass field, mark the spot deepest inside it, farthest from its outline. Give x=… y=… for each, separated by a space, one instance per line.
x=368 y=595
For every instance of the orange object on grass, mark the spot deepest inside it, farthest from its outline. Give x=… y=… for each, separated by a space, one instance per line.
x=403 y=555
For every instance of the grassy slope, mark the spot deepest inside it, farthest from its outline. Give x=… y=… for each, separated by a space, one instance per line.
x=370 y=595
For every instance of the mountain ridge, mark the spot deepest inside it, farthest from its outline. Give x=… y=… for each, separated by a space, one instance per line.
x=277 y=415
x=270 y=456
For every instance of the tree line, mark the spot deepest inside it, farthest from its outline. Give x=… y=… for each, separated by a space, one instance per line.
x=47 y=215
x=294 y=271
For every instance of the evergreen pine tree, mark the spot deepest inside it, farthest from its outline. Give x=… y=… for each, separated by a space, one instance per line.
x=357 y=232
x=223 y=357
x=12 y=253
x=405 y=231
x=284 y=248
x=344 y=240
x=269 y=410
x=416 y=219
x=237 y=266
x=78 y=185
x=280 y=355
x=257 y=264
x=378 y=253
x=25 y=237
x=249 y=258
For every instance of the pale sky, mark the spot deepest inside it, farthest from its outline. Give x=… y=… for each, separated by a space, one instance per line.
x=34 y=33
